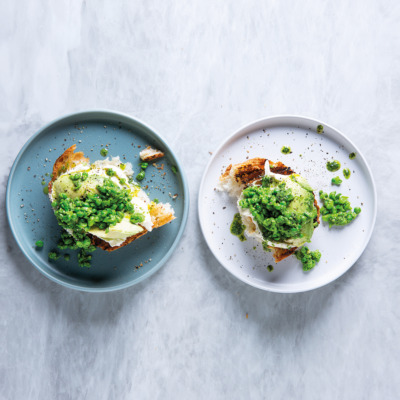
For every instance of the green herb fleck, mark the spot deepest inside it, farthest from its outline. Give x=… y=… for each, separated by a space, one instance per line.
x=144 y=165
x=39 y=244
x=174 y=169
x=320 y=128
x=352 y=156
x=66 y=257
x=346 y=173
x=156 y=201
x=286 y=150
x=270 y=268
x=104 y=152
x=46 y=190
x=43 y=183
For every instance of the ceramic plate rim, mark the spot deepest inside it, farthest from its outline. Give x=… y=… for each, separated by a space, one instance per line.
x=238 y=133
x=104 y=113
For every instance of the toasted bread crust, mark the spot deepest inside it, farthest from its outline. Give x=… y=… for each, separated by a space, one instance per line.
x=69 y=159
x=249 y=171
x=160 y=213
x=150 y=154
x=280 y=254
x=252 y=170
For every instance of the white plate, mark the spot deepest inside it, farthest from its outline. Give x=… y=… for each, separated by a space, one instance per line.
x=340 y=247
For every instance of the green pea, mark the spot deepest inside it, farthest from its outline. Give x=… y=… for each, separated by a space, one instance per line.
x=336 y=181
x=140 y=176
x=39 y=243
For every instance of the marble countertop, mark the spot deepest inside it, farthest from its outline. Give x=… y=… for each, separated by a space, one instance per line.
x=197 y=71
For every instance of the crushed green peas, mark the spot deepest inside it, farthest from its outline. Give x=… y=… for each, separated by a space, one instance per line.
x=43 y=183
x=156 y=201
x=136 y=218
x=46 y=190
x=269 y=207
x=110 y=172
x=352 y=156
x=308 y=258
x=286 y=150
x=320 y=128
x=333 y=166
x=53 y=255
x=84 y=259
x=99 y=210
x=336 y=181
x=104 y=152
x=39 y=244
x=144 y=165
x=336 y=209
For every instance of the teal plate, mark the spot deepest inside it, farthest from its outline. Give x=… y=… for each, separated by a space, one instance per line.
x=31 y=217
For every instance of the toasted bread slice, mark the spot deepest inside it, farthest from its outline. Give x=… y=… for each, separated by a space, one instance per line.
x=150 y=154
x=160 y=213
x=238 y=176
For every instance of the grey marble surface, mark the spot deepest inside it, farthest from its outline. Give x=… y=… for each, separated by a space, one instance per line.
x=196 y=71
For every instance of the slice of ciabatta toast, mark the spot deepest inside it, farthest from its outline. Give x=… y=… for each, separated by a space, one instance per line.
x=160 y=213
x=239 y=176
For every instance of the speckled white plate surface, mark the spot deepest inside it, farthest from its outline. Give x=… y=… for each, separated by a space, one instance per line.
x=340 y=247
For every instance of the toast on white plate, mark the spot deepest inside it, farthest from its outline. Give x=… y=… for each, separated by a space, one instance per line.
x=238 y=177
